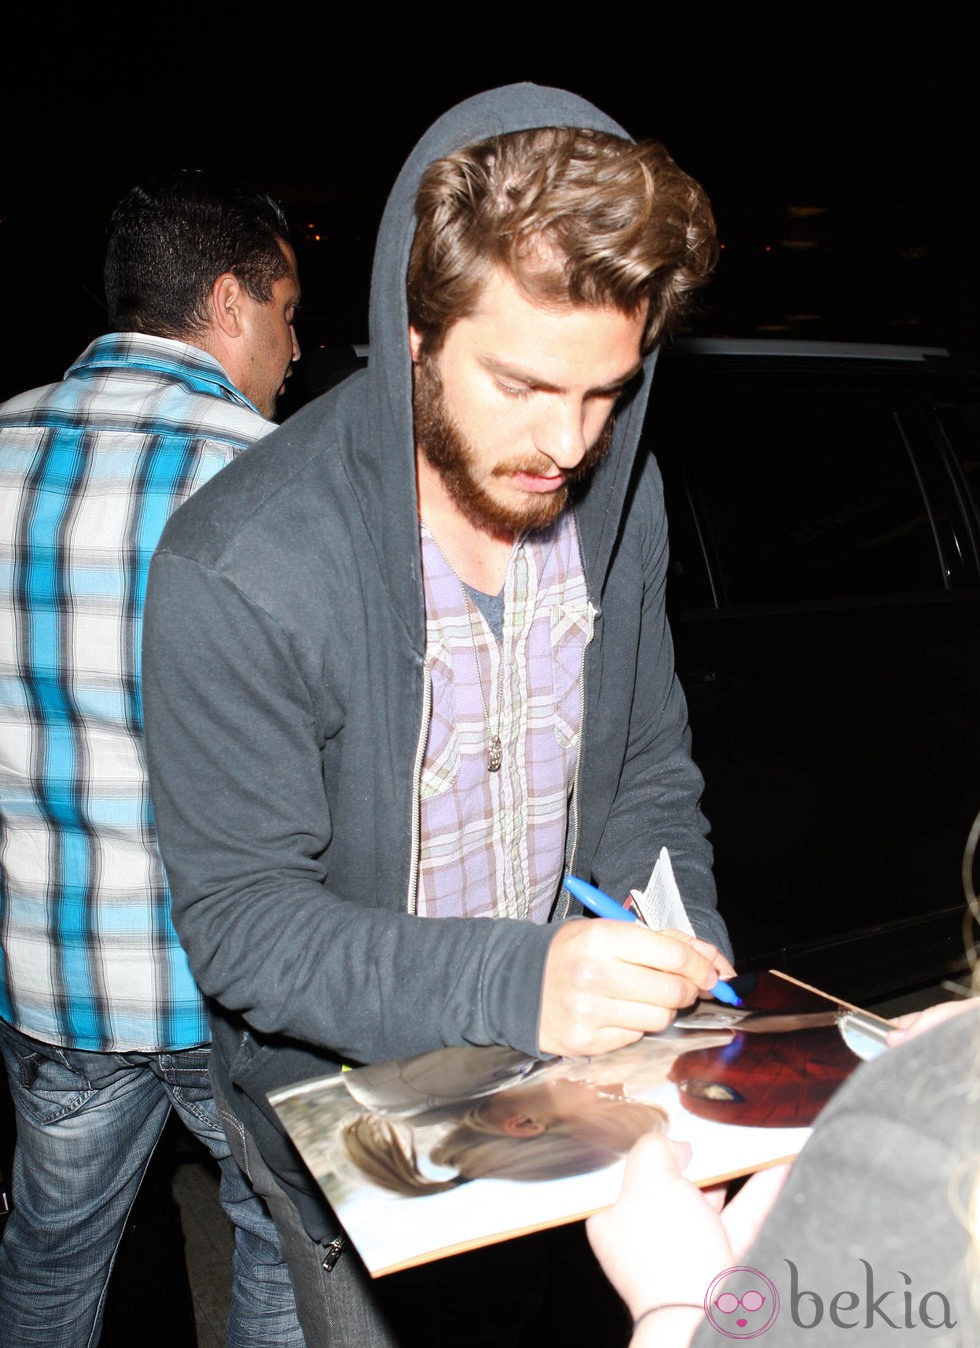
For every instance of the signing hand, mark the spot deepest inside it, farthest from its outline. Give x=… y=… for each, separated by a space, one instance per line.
x=722 y=966
x=608 y=983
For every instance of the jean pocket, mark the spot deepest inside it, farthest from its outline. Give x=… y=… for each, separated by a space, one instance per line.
x=188 y=1081
x=46 y=1089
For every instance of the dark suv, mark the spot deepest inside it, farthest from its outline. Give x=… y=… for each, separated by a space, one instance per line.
x=825 y=601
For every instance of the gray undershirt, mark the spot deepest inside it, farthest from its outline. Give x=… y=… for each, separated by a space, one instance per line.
x=492 y=608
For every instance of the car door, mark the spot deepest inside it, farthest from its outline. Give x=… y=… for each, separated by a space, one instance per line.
x=825 y=611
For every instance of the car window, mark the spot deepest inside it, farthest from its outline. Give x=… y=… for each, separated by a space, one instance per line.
x=960 y=418
x=805 y=502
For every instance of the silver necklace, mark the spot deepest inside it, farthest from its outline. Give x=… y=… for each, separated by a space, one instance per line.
x=495 y=753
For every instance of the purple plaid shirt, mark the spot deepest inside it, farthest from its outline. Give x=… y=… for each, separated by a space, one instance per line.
x=493 y=844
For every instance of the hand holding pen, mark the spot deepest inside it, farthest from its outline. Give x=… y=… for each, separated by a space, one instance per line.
x=603 y=905
x=606 y=984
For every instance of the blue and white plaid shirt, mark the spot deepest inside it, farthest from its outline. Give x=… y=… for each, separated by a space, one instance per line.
x=91 y=469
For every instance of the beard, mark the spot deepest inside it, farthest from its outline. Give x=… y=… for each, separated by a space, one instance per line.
x=444 y=447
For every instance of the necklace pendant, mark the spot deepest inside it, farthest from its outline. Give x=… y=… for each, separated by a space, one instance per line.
x=494 y=754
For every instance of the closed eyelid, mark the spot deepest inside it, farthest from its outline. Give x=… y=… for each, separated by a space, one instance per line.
x=514 y=380
x=521 y=389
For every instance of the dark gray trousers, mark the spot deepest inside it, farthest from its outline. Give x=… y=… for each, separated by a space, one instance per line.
x=337 y=1307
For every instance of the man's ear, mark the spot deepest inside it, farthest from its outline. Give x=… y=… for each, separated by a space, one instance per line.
x=226 y=306
x=414 y=343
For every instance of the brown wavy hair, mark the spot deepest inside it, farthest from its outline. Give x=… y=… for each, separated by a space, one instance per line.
x=576 y=216
x=602 y=1132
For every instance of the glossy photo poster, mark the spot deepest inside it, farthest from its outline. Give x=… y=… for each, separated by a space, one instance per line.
x=431 y=1155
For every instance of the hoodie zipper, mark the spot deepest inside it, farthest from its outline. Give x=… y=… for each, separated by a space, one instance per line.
x=416 y=823
x=563 y=902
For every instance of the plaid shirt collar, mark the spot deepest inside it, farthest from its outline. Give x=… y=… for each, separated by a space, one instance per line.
x=130 y=351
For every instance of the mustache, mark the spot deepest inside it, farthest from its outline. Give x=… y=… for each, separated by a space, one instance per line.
x=541 y=469
x=544 y=467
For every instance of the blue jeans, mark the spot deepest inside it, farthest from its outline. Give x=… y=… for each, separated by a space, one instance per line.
x=87 y=1125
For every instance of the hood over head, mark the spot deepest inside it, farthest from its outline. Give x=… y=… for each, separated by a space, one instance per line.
x=388 y=401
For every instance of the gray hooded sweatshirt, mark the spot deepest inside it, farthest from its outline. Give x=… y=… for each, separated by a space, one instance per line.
x=285 y=689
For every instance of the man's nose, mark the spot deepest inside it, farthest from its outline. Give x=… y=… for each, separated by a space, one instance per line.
x=560 y=434
x=296 y=350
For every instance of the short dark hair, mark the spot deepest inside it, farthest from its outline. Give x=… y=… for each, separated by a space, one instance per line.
x=576 y=217
x=171 y=237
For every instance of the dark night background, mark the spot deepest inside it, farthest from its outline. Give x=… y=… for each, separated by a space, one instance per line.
x=840 y=153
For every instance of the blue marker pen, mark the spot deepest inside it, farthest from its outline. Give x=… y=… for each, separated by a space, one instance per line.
x=603 y=906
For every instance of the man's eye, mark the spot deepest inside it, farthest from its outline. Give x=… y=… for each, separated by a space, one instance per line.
x=514 y=390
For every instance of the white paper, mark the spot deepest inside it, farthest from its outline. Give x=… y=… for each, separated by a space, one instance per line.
x=660 y=904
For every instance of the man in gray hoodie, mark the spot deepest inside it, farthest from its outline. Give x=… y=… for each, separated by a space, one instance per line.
x=407 y=663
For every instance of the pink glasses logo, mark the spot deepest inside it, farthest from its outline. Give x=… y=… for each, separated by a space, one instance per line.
x=747 y=1306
